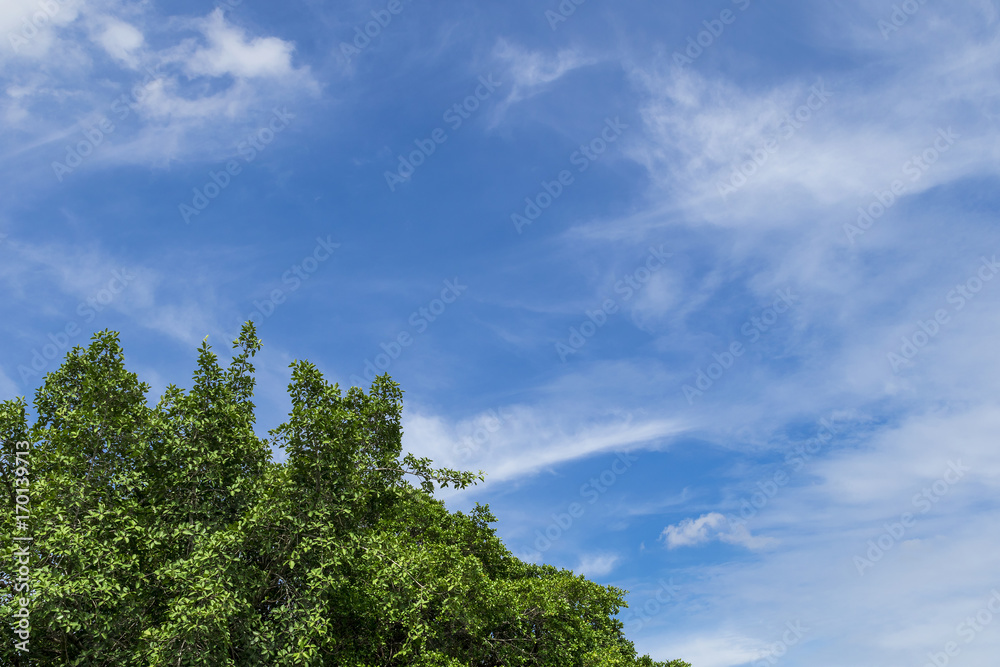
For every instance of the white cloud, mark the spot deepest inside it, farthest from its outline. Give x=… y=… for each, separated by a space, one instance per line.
x=826 y=516
x=717 y=650
x=191 y=100
x=532 y=72
x=712 y=526
x=231 y=52
x=596 y=565
x=740 y=536
x=121 y=40
x=28 y=27
x=514 y=441
x=80 y=272
x=784 y=228
x=177 y=109
x=82 y=284
x=691 y=532
x=14 y=14
x=532 y=69
x=163 y=100
x=187 y=321
x=701 y=129
x=657 y=301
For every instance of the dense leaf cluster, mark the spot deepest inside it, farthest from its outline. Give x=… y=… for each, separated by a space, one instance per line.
x=166 y=535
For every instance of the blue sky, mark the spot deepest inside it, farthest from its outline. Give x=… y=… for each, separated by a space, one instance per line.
x=707 y=290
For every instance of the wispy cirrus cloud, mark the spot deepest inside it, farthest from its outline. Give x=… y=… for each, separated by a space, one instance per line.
x=168 y=95
x=529 y=439
x=532 y=72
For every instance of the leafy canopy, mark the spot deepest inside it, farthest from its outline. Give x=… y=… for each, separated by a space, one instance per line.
x=167 y=535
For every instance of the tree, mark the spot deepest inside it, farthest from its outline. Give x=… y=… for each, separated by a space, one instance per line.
x=167 y=535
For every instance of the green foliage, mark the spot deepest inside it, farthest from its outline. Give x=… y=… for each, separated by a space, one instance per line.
x=166 y=535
